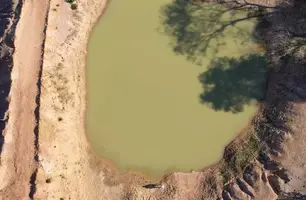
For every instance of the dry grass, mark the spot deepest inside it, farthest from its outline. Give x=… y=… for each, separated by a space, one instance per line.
x=60 y=83
x=245 y=153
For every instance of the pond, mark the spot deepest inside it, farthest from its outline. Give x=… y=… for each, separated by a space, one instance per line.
x=170 y=84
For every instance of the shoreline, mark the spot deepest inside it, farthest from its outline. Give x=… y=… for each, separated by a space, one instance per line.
x=108 y=162
x=148 y=177
x=67 y=166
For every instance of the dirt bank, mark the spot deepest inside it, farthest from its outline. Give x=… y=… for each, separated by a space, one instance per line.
x=48 y=89
x=18 y=163
x=248 y=171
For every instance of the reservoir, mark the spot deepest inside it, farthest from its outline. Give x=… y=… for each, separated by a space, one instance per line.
x=167 y=86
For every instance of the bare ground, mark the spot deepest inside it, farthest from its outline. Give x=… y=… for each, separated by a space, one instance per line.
x=45 y=153
x=18 y=162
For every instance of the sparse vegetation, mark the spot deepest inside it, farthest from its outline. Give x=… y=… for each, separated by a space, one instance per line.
x=60 y=84
x=74 y=6
x=48 y=180
x=193 y=25
x=72 y=3
x=212 y=181
x=245 y=153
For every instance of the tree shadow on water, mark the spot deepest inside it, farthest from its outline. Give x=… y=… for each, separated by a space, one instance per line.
x=197 y=29
x=230 y=84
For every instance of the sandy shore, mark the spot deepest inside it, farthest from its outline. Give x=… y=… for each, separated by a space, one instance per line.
x=46 y=154
x=65 y=156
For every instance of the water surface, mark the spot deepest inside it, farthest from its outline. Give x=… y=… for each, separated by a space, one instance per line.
x=154 y=104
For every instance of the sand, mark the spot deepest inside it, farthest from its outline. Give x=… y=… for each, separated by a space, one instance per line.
x=66 y=168
x=19 y=149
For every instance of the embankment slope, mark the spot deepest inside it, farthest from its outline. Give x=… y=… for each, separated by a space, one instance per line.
x=18 y=162
x=68 y=169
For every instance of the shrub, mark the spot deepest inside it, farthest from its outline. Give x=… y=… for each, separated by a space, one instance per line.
x=70 y=1
x=74 y=6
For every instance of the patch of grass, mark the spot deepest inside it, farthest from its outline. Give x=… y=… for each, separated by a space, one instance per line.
x=227 y=171
x=248 y=153
x=245 y=154
x=60 y=83
x=212 y=181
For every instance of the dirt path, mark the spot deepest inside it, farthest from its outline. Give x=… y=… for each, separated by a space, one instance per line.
x=19 y=147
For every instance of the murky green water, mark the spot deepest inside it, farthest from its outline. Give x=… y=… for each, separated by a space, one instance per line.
x=147 y=109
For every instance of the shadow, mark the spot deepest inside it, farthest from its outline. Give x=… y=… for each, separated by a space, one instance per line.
x=152 y=186
x=283 y=32
x=291 y=196
x=198 y=29
x=5 y=83
x=8 y=11
x=33 y=187
x=230 y=84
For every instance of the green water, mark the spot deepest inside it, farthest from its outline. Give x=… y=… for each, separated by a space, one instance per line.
x=144 y=107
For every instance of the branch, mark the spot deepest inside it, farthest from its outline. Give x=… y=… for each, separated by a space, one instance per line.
x=209 y=37
x=246 y=3
x=258 y=5
x=231 y=23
